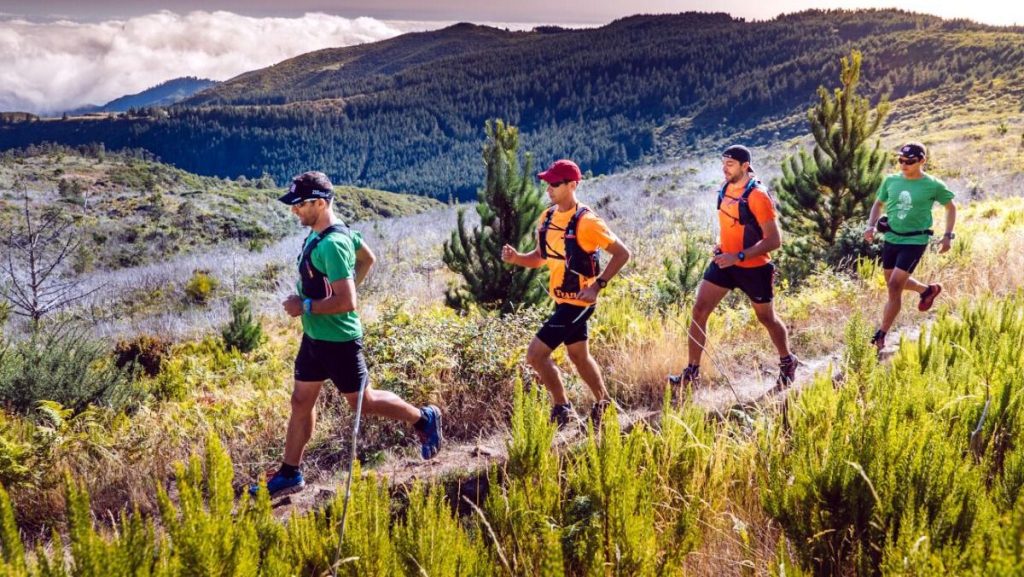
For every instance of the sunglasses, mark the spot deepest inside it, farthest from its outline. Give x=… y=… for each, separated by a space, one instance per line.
x=557 y=184
x=908 y=161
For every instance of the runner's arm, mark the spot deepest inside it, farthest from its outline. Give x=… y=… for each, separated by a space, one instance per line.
x=772 y=240
x=531 y=259
x=364 y=260
x=876 y=213
x=342 y=299
x=950 y=217
x=620 y=256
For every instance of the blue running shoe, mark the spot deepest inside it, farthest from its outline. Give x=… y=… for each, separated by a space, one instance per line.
x=280 y=485
x=430 y=437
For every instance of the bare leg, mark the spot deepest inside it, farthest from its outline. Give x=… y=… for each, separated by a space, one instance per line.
x=708 y=297
x=776 y=328
x=384 y=404
x=912 y=283
x=538 y=355
x=896 y=282
x=579 y=354
x=301 y=421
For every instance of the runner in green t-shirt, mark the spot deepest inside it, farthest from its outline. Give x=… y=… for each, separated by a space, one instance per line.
x=908 y=199
x=334 y=260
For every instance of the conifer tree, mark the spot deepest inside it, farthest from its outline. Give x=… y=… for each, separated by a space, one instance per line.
x=509 y=205
x=243 y=332
x=818 y=192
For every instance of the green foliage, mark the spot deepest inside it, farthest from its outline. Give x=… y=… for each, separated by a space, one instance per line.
x=207 y=540
x=430 y=541
x=849 y=245
x=10 y=539
x=441 y=352
x=684 y=271
x=820 y=192
x=61 y=364
x=244 y=333
x=147 y=351
x=509 y=205
x=913 y=469
x=524 y=514
x=200 y=287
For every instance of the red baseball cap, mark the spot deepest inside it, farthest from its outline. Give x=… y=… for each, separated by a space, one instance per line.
x=561 y=171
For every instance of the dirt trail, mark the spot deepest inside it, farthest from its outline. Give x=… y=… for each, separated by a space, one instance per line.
x=465 y=464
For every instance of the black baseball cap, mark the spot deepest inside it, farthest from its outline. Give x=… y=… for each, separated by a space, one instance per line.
x=300 y=191
x=913 y=150
x=737 y=152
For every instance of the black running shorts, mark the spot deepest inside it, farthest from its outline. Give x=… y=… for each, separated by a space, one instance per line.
x=758 y=283
x=568 y=325
x=342 y=363
x=902 y=256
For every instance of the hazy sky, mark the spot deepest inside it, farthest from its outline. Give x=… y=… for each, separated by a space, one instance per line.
x=61 y=54
x=1002 y=12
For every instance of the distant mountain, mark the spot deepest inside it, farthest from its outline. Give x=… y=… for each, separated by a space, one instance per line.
x=408 y=113
x=164 y=94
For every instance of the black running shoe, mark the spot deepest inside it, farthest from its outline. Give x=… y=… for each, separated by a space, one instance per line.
x=597 y=412
x=689 y=377
x=787 y=372
x=562 y=415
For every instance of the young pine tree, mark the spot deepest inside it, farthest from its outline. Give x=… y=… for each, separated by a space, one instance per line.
x=243 y=332
x=509 y=205
x=819 y=192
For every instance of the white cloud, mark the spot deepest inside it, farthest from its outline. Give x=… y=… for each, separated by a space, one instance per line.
x=53 y=66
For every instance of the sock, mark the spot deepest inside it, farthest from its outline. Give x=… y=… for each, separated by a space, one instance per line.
x=421 y=424
x=289 y=470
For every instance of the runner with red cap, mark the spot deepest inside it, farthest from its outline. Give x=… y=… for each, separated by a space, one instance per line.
x=569 y=240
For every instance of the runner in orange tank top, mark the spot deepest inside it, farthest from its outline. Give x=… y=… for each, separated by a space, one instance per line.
x=749 y=230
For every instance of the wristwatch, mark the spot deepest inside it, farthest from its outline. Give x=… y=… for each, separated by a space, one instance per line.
x=601 y=283
x=949 y=235
x=741 y=255
x=307 y=306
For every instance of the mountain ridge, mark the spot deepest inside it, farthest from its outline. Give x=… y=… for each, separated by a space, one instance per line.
x=408 y=113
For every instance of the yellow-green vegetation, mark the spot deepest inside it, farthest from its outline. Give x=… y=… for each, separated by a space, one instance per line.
x=910 y=469
x=132 y=209
x=705 y=492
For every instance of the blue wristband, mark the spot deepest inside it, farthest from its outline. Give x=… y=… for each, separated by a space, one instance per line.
x=307 y=306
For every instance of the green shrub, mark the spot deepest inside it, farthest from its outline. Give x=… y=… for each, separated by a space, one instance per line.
x=61 y=364
x=243 y=333
x=200 y=288
x=850 y=246
x=914 y=466
x=684 y=272
x=798 y=259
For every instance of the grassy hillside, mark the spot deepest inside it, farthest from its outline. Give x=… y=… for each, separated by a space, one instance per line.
x=909 y=467
x=132 y=210
x=407 y=113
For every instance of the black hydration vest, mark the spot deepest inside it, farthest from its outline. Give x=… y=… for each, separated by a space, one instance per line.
x=578 y=262
x=752 y=233
x=315 y=284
